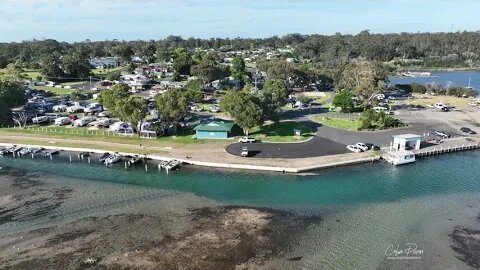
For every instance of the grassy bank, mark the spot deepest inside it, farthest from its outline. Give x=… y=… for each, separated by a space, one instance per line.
x=282 y=132
x=340 y=123
x=101 y=136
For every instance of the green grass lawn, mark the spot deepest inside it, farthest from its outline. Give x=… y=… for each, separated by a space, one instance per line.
x=184 y=136
x=104 y=72
x=340 y=123
x=282 y=132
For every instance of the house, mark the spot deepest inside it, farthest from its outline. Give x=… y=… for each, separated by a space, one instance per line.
x=103 y=62
x=214 y=130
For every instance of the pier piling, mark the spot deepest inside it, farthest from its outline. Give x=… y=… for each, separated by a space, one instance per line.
x=146 y=167
x=88 y=159
x=70 y=157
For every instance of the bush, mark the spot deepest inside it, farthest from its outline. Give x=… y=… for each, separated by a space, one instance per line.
x=419 y=88
x=372 y=120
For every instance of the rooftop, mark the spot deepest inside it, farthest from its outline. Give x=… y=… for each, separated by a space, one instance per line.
x=408 y=136
x=215 y=126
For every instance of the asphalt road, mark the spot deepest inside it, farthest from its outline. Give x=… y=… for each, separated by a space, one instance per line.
x=315 y=147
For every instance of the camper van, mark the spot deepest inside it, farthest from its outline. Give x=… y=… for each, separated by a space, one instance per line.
x=83 y=121
x=62 y=121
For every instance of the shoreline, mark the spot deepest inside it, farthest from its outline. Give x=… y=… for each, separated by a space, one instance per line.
x=242 y=166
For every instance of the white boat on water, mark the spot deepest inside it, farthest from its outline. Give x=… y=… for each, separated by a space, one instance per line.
x=112 y=159
x=400 y=157
x=164 y=163
x=417 y=74
x=173 y=164
x=25 y=151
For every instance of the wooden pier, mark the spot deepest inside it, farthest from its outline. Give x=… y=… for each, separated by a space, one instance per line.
x=449 y=146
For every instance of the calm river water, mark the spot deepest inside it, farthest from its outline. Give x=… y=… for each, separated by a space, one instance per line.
x=364 y=209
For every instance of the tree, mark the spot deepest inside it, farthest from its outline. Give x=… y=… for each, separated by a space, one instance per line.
x=19 y=118
x=238 y=69
x=344 y=100
x=113 y=98
x=113 y=76
x=172 y=107
x=275 y=92
x=5 y=113
x=195 y=89
x=12 y=94
x=51 y=68
x=244 y=108
x=75 y=64
x=133 y=109
x=14 y=72
x=182 y=61
x=363 y=77
x=208 y=70
x=419 y=88
x=124 y=52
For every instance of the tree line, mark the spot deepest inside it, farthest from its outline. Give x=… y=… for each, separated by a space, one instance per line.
x=458 y=49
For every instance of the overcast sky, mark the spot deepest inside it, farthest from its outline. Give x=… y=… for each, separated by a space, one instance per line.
x=76 y=20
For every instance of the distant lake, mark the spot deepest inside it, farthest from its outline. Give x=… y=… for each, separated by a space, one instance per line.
x=446 y=78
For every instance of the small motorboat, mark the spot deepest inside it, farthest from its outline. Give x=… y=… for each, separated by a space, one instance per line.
x=164 y=163
x=16 y=149
x=104 y=157
x=112 y=159
x=134 y=160
x=25 y=151
x=6 y=150
x=173 y=165
x=51 y=152
x=36 y=150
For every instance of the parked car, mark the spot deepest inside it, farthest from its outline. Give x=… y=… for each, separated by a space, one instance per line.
x=244 y=152
x=372 y=146
x=214 y=108
x=354 y=148
x=467 y=130
x=442 y=134
x=362 y=146
x=247 y=140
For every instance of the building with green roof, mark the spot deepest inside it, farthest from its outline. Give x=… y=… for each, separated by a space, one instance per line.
x=214 y=130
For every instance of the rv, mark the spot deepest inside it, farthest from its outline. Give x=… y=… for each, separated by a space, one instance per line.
x=62 y=121
x=83 y=121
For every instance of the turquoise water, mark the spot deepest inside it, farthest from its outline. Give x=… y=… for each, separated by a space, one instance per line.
x=449 y=174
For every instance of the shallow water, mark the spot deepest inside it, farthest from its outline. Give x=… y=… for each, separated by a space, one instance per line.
x=364 y=208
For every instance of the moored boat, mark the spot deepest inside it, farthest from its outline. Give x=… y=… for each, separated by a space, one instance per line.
x=51 y=152
x=104 y=157
x=134 y=160
x=164 y=163
x=112 y=159
x=173 y=165
x=36 y=150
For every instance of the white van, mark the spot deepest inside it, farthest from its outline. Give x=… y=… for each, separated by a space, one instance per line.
x=380 y=109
